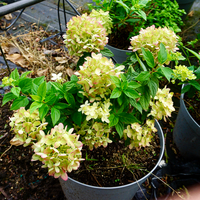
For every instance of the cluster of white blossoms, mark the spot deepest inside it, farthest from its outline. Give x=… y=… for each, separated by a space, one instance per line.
x=96 y=110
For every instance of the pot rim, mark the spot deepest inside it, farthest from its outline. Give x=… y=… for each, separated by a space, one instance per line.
x=117 y=49
x=140 y=180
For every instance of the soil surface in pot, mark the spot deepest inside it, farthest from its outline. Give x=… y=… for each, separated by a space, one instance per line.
x=116 y=164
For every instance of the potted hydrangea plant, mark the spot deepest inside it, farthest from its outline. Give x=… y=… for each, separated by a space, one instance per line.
x=101 y=105
x=129 y=17
x=187 y=127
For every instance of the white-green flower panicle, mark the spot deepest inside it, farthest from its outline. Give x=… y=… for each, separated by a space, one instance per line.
x=26 y=126
x=105 y=19
x=85 y=34
x=59 y=151
x=151 y=38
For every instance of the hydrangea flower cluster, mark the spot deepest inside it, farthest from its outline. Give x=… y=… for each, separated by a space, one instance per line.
x=140 y=135
x=162 y=104
x=26 y=126
x=105 y=19
x=85 y=34
x=182 y=73
x=96 y=110
x=6 y=81
x=95 y=135
x=60 y=151
x=94 y=76
x=150 y=39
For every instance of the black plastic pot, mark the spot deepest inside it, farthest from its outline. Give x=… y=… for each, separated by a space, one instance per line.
x=75 y=190
x=186 y=133
x=185 y=4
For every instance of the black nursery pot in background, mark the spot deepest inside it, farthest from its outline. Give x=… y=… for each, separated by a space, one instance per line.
x=185 y=4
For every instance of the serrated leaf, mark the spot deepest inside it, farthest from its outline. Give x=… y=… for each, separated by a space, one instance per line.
x=143 y=76
x=142 y=14
x=16 y=91
x=148 y=56
x=162 y=54
x=8 y=97
x=116 y=93
x=107 y=52
x=115 y=80
x=36 y=98
x=145 y=98
x=39 y=80
x=70 y=99
x=136 y=105
x=141 y=63
x=120 y=128
x=19 y=102
x=35 y=105
x=25 y=84
x=153 y=87
x=113 y=120
x=42 y=90
x=167 y=72
x=14 y=74
x=133 y=85
x=127 y=118
x=131 y=93
x=43 y=110
x=61 y=106
x=55 y=115
x=25 y=74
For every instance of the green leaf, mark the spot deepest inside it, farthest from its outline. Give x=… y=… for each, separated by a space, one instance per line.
x=21 y=101
x=120 y=2
x=55 y=115
x=116 y=93
x=136 y=105
x=68 y=85
x=116 y=80
x=107 y=52
x=131 y=93
x=113 y=120
x=167 y=72
x=70 y=99
x=120 y=128
x=25 y=74
x=43 y=110
x=36 y=98
x=77 y=118
x=14 y=74
x=153 y=87
x=148 y=56
x=162 y=54
x=42 y=90
x=57 y=86
x=145 y=98
x=39 y=80
x=143 y=76
x=16 y=91
x=61 y=106
x=193 y=52
x=195 y=84
x=133 y=85
x=141 y=63
x=25 y=84
x=121 y=99
x=51 y=99
x=132 y=20
x=74 y=78
x=197 y=73
x=8 y=97
x=142 y=14
x=127 y=118
x=34 y=106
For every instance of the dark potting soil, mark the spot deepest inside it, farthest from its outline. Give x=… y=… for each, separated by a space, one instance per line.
x=116 y=164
